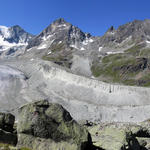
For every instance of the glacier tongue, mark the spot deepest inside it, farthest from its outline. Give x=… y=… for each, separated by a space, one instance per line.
x=84 y=98
x=12 y=83
x=9 y=72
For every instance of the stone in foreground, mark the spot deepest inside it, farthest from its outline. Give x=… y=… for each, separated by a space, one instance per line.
x=113 y=137
x=43 y=125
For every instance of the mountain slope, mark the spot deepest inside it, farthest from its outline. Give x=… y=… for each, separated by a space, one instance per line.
x=59 y=30
x=130 y=33
x=63 y=43
x=120 y=56
x=128 y=62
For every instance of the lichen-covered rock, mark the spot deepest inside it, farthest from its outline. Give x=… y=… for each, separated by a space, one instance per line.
x=52 y=124
x=112 y=137
x=44 y=144
x=7 y=121
x=144 y=142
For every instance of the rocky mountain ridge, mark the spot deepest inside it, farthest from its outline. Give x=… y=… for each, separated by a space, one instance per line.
x=61 y=31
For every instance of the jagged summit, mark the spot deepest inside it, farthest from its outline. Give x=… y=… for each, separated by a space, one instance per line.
x=17 y=27
x=134 y=32
x=111 y=29
x=59 y=21
x=59 y=30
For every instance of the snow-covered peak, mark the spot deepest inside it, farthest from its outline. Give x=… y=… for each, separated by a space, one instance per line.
x=13 y=39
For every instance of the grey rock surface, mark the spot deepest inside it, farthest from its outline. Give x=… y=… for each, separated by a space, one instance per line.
x=113 y=137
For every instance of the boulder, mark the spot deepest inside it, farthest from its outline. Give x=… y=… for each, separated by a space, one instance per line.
x=113 y=137
x=43 y=123
x=7 y=121
x=144 y=143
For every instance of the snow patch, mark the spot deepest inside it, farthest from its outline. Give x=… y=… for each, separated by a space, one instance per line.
x=44 y=38
x=31 y=59
x=148 y=42
x=60 y=42
x=91 y=40
x=49 y=53
x=42 y=46
x=87 y=41
x=100 y=48
x=108 y=53
x=74 y=46
x=49 y=36
x=82 y=48
x=62 y=25
x=29 y=49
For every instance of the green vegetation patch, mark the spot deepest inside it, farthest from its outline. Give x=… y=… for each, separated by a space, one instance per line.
x=122 y=68
x=112 y=57
x=135 y=50
x=11 y=147
x=25 y=148
x=59 y=55
x=145 y=52
x=57 y=47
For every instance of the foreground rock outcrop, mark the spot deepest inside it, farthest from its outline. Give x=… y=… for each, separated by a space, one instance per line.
x=111 y=137
x=121 y=136
x=48 y=126
x=44 y=126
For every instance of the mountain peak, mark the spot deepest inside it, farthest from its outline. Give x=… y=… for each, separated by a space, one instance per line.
x=59 y=21
x=16 y=26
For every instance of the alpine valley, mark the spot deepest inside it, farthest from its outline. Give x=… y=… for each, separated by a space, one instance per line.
x=101 y=81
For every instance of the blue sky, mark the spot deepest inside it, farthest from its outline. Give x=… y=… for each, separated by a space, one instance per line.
x=94 y=16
